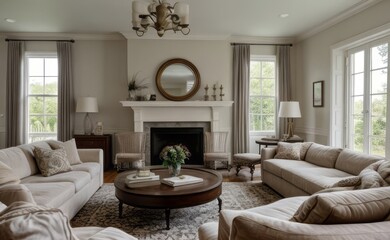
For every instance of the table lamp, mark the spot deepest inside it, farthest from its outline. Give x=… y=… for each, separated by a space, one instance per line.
x=289 y=110
x=87 y=105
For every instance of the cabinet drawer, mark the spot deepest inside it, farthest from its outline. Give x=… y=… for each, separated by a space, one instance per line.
x=90 y=143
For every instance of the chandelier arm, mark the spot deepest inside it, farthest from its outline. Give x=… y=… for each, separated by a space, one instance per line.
x=151 y=18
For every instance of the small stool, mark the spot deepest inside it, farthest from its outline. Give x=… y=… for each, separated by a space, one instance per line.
x=245 y=159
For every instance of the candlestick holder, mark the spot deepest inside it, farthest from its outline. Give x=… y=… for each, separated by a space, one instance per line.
x=206 y=96
x=221 y=94
x=214 y=92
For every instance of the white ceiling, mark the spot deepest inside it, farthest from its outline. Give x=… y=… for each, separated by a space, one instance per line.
x=208 y=18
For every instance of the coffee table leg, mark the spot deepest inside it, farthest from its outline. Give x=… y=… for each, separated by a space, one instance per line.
x=219 y=204
x=167 y=214
x=120 y=206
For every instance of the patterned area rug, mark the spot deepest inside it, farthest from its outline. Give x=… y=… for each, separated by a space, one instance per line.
x=102 y=210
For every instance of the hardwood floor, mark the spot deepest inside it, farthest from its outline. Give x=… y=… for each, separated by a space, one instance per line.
x=243 y=176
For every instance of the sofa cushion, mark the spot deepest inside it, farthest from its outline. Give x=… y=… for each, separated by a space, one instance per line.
x=304 y=175
x=28 y=150
x=92 y=168
x=70 y=148
x=288 y=151
x=282 y=209
x=78 y=178
x=354 y=162
x=358 y=206
x=10 y=193
x=16 y=159
x=305 y=146
x=51 y=162
x=51 y=194
x=7 y=175
x=321 y=155
x=23 y=220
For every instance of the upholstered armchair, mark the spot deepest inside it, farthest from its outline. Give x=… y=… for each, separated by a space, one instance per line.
x=215 y=150
x=130 y=152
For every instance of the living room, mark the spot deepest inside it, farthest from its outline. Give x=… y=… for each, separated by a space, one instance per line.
x=105 y=60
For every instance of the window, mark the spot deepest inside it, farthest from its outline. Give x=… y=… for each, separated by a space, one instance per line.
x=262 y=96
x=42 y=97
x=367 y=100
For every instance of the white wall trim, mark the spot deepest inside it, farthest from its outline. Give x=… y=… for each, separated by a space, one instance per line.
x=313 y=131
x=75 y=36
x=357 y=8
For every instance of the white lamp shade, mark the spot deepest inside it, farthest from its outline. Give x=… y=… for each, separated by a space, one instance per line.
x=87 y=105
x=289 y=110
x=183 y=11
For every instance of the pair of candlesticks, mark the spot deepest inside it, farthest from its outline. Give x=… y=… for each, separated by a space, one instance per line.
x=214 y=96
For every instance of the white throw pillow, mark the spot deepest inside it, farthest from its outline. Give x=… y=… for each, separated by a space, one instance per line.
x=51 y=162
x=7 y=175
x=70 y=148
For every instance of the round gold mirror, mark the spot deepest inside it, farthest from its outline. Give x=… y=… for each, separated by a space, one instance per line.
x=178 y=79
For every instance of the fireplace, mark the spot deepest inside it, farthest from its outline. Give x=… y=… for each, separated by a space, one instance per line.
x=191 y=137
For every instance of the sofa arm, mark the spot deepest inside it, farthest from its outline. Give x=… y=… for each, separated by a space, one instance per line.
x=91 y=155
x=258 y=226
x=268 y=153
x=10 y=193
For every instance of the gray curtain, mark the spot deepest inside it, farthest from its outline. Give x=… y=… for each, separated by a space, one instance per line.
x=241 y=65
x=284 y=81
x=14 y=94
x=65 y=91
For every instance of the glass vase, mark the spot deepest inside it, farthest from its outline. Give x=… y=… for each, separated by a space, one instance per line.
x=174 y=171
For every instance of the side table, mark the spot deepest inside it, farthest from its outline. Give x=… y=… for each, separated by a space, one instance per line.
x=270 y=142
x=97 y=141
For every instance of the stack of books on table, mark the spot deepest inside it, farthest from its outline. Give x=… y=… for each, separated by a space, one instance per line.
x=181 y=180
x=135 y=181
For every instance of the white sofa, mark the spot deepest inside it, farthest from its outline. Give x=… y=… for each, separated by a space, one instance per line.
x=68 y=191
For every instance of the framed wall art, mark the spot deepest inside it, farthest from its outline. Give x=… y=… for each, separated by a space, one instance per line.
x=318 y=94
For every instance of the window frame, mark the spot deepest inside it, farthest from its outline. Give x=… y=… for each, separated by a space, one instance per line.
x=367 y=108
x=26 y=85
x=265 y=58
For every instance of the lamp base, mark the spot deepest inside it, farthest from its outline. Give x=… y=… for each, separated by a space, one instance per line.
x=87 y=125
x=290 y=128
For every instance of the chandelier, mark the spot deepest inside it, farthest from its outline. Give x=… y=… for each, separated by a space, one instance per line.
x=161 y=16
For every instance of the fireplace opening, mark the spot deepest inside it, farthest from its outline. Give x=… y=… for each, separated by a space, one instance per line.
x=191 y=137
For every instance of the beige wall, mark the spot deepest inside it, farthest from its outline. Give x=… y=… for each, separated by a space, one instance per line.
x=313 y=63
x=100 y=70
x=212 y=58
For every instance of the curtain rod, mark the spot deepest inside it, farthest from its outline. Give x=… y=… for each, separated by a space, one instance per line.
x=39 y=40
x=264 y=44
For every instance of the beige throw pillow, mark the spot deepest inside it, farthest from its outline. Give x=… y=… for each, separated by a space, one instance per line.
x=344 y=207
x=288 y=151
x=51 y=162
x=70 y=148
x=7 y=175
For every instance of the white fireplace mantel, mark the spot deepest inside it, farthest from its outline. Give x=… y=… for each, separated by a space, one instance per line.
x=170 y=111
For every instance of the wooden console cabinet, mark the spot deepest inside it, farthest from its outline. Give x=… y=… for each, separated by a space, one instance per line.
x=97 y=141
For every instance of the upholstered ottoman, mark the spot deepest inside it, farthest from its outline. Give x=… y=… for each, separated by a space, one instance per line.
x=245 y=159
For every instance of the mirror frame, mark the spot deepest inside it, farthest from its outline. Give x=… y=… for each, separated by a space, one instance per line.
x=194 y=89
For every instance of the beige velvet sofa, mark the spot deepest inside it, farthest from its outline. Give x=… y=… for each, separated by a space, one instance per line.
x=348 y=214
x=273 y=221
x=67 y=191
x=317 y=167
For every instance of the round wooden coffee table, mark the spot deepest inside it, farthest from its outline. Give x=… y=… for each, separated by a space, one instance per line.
x=165 y=197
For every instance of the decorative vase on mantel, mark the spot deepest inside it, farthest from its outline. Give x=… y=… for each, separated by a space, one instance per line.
x=132 y=95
